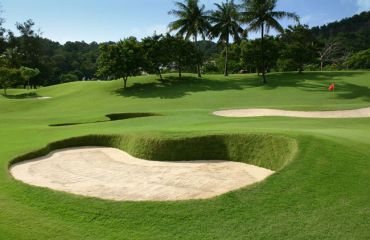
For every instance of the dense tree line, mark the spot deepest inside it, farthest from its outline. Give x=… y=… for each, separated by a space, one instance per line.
x=297 y=48
x=194 y=21
x=353 y=32
x=153 y=55
x=335 y=46
x=56 y=63
x=339 y=45
x=294 y=50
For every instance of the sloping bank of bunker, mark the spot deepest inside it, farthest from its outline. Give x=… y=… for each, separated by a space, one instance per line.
x=198 y=167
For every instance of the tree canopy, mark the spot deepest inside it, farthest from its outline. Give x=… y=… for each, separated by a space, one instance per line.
x=226 y=23
x=339 y=45
x=261 y=15
x=192 y=20
x=298 y=48
x=121 y=60
x=9 y=77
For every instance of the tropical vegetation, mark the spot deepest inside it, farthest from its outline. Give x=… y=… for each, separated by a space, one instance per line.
x=335 y=46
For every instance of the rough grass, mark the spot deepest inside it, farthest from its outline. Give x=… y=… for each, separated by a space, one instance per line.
x=323 y=194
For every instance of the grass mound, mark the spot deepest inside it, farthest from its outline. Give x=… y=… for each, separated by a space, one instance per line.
x=263 y=150
x=112 y=117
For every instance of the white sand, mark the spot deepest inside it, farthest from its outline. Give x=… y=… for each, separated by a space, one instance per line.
x=112 y=174
x=43 y=98
x=237 y=113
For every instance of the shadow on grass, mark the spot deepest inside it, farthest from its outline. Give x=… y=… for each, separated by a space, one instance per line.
x=320 y=81
x=172 y=87
x=22 y=96
x=112 y=117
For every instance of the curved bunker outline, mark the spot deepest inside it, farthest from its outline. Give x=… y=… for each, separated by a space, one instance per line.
x=263 y=112
x=242 y=148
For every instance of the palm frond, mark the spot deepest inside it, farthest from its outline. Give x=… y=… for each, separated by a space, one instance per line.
x=280 y=15
x=258 y=13
x=192 y=19
x=273 y=23
x=226 y=21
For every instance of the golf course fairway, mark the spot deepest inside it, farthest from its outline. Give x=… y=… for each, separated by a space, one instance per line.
x=320 y=188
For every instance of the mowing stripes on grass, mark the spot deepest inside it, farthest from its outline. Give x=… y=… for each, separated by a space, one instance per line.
x=323 y=194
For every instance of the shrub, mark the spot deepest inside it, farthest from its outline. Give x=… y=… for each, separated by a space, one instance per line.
x=69 y=77
x=360 y=60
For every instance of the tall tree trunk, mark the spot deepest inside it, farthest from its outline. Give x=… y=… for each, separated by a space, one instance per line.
x=300 y=69
x=160 y=74
x=198 y=52
x=226 y=58
x=263 y=53
x=180 y=74
x=125 y=82
x=321 y=64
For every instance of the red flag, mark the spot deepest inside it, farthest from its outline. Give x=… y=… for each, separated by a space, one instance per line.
x=332 y=87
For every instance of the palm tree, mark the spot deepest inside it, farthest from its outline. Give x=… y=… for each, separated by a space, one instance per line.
x=226 y=20
x=192 y=20
x=260 y=15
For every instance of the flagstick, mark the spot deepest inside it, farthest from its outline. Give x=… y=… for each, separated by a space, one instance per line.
x=334 y=92
x=333 y=88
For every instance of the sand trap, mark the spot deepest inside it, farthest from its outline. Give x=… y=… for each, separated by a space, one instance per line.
x=43 y=98
x=112 y=174
x=238 y=113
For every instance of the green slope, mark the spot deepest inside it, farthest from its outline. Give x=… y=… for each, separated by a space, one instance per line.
x=324 y=193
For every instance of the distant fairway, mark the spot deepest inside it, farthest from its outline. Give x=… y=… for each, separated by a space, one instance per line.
x=323 y=193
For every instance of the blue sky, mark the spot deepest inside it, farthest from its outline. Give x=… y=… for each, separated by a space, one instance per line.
x=104 y=20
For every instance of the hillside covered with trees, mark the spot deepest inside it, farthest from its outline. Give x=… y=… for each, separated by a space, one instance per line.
x=353 y=32
x=340 y=45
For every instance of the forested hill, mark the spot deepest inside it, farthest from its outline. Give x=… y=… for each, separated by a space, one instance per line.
x=354 y=24
x=209 y=48
x=354 y=31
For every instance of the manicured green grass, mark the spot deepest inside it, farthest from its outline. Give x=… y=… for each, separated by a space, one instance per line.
x=263 y=150
x=324 y=193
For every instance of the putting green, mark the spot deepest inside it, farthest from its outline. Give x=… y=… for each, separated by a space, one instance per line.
x=322 y=193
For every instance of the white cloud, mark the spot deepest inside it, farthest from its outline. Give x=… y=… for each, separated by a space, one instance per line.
x=363 y=5
x=306 y=19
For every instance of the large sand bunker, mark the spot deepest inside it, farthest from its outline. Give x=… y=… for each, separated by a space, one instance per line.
x=238 y=113
x=112 y=174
